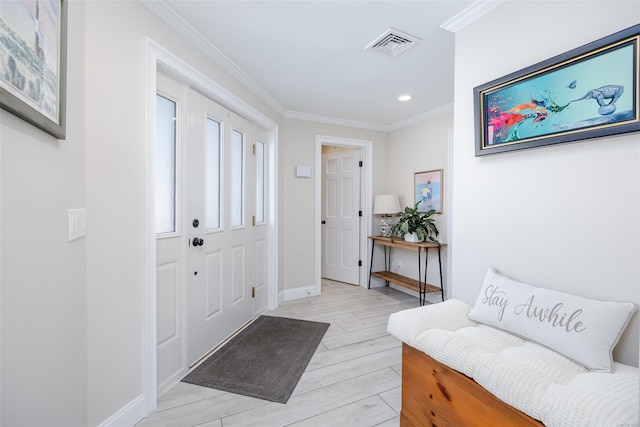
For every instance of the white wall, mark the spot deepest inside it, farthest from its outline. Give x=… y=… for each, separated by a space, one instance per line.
x=43 y=323
x=72 y=311
x=115 y=164
x=564 y=217
x=418 y=148
x=297 y=195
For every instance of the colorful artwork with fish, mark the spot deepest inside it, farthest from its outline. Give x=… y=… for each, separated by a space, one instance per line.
x=591 y=92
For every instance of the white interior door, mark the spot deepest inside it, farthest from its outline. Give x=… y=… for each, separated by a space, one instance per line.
x=340 y=215
x=221 y=206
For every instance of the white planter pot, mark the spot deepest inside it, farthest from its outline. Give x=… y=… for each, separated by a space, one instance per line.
x=411 y=237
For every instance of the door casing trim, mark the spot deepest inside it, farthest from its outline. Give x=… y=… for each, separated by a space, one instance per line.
x=365 y=202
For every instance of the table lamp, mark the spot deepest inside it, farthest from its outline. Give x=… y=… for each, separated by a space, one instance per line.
x=385 y=205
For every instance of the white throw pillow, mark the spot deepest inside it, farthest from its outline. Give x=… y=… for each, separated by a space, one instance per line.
x=582 y=329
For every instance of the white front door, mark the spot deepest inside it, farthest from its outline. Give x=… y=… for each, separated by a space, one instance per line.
x=221 y=249
x=340 y=215
x=207 y=169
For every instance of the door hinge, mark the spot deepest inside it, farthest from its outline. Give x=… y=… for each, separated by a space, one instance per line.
x=359 y=213
x=253 y=292
x=254 y=149
x=360 y=163
x=359 y=263
x=253 y=220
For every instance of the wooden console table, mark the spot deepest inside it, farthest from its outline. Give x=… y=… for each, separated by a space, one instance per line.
x=421 y=286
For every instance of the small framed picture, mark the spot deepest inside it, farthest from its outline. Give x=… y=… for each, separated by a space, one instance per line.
x=428 y=190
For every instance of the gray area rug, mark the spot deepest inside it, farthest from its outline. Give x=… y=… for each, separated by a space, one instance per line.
x=265 y=360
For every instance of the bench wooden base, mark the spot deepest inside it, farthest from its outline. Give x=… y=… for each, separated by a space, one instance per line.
x=435 y=395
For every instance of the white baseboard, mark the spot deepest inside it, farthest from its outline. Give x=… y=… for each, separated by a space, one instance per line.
x=173 y=380
x=128 y=416
x=297 y=293
x=260 y=312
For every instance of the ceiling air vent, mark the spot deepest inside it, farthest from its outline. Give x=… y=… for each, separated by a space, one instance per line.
x=392 y=42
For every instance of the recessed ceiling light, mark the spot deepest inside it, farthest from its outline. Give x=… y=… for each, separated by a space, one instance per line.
x=404 y=98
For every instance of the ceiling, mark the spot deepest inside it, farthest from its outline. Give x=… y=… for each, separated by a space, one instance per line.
x=307 y=59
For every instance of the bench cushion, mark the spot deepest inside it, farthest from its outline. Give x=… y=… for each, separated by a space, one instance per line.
x=532 y=378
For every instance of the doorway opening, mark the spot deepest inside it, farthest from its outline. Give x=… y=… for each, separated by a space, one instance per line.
x=341 y=214
x=363 y=149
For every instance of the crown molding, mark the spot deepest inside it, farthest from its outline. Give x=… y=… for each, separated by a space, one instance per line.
x=421 y=117
x=370 y=126
x=470 y=14
x=333 y=121
x=176 y=22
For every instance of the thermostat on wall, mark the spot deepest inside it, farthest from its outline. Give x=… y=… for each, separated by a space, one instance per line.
x=303 y=171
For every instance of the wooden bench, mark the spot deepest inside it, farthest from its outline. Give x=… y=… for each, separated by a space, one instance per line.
x=435 y=395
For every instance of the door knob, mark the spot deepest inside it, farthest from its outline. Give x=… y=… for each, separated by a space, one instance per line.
x=323 y=222
x=197 y=242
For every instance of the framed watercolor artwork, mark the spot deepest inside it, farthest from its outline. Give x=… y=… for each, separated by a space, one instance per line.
x=589 y=92
x=33 y=45
x=428 y=190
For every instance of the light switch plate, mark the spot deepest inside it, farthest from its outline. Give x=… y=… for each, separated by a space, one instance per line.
x=77 y=223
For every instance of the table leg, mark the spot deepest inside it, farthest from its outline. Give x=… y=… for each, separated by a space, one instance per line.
x=426 y=267
x=420 y=298
x=373 y=246
x=441 y=283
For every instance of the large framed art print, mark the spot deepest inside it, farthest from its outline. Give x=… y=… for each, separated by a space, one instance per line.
x=33 y=45
x=589 y=92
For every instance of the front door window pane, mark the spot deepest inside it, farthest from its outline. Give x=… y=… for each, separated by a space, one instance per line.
x=213 y=174
x=237 y=185
x=260 y=182
x=165 y=165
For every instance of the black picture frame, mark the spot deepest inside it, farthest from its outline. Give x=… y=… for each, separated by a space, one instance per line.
x=589 y=92
x=33 y=76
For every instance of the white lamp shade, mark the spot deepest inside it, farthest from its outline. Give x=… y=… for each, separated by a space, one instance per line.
x=386 y=204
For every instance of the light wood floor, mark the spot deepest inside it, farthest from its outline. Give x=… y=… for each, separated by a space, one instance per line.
x=353 y=378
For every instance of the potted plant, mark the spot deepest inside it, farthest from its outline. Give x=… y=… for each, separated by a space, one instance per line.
x=415 y=226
